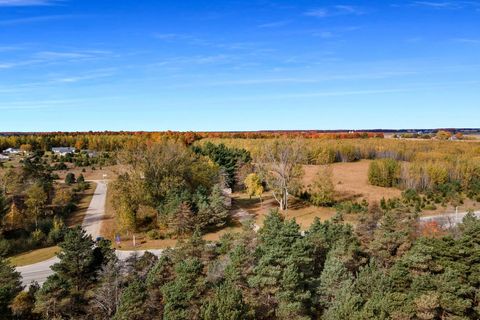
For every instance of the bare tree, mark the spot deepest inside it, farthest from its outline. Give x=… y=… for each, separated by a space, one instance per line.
x=107 y=297
x=280 y=164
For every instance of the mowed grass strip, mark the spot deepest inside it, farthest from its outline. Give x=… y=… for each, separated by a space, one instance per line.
x=34 y=256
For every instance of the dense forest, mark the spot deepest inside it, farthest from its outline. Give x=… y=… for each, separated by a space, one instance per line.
x=383 y=270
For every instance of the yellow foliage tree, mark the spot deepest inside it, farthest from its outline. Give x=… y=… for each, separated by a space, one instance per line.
x=254 y=186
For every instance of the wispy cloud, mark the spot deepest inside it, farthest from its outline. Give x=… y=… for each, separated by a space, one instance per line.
x=275 y=24
x=37 y=19
x=452 y=5
x=467 y=40
x=194 y=60
x=10 y=65
x=92 y=75
x=83 y=55
x=338 y=10
x=25 y=3
x=171 y=36
x=305 y=80
x=62 y=55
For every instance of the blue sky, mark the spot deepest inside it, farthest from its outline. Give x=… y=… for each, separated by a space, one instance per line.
x=238 y=65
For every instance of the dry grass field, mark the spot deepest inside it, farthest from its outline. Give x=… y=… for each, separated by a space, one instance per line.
x=98 y=174
x=33 y=256
x=351 y=182
x=299 y=210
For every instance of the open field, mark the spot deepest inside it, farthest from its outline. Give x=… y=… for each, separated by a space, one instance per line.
x=351 y=182
x=301 y=211
x=98 y=174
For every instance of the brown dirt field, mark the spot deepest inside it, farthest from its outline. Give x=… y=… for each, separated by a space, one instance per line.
x=351 y=182
x=303 y=213
x=76 y=218
x=89 y=174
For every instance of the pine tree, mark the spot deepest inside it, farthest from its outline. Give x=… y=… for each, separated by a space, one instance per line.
x=219 y=212
x=226 y=304
x=76 y=260
x=131 y=302
x=332 y=280
x=284 y=264
x=10 y=286
x=183 y=223
x=182 y=295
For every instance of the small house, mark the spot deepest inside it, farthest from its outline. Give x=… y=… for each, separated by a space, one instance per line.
x=12 y=151
x=63 y=151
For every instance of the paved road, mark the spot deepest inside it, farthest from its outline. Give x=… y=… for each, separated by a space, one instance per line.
x=447 y=220
x=93 y=218
x=92 y=223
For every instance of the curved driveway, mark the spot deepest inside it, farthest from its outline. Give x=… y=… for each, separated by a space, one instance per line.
x=92 y=223
x=447 y=220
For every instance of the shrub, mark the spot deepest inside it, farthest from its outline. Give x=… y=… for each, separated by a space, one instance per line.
x=70 y=178
x=81 y=179
x=5 y=248
x=155 y=235
x=384 y=173
x=322 y=190
x=37 y=238
x=348 y=207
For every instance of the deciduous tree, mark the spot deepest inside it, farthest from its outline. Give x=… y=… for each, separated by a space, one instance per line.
x=281 y=166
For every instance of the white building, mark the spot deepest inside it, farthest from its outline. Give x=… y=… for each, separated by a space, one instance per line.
x=4 y=157
x=11 y=151
x=63 y=151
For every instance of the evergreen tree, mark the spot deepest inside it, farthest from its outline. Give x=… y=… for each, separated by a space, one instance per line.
x=64 y=293
x=76 y=260
x=53 y=301
x=132 y=302
x=10 y=286
x=392 y=238
x=70 y=178
x=334 y=278
x=184 y=221
x=226 y=304
x=219 y=212
x=182 y=295
x=284 y=264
